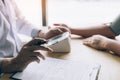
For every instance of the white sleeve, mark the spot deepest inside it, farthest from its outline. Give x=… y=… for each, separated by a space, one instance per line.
x=23 y=26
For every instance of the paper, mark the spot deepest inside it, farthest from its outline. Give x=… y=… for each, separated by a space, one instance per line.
x=57 y=69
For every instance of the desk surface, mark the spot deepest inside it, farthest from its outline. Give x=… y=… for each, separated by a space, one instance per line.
x=109 y=63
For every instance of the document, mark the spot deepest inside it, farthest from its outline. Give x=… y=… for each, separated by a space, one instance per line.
x=58 y=69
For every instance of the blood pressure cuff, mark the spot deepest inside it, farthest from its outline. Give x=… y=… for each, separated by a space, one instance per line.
x=0 y=66
x=115 y=26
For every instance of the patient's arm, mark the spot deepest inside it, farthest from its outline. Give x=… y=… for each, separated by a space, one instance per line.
x=93 y=30
x=103 y=43
x=113 y=46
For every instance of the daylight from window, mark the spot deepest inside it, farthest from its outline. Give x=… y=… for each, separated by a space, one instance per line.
x=82 y=12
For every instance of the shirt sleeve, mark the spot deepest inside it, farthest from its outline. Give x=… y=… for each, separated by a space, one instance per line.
x=115 y=26
x=0 y=66
x=23 y=26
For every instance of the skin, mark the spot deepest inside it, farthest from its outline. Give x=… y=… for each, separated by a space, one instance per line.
x=28 y=54
x=99 y=37
x=103 y=43
x=25 y=56
x=53 y=32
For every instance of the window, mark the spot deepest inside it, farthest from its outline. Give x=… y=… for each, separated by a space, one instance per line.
x=82 y=12
x=71 y=12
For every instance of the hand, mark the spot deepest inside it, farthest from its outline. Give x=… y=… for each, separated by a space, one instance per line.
x=97 y=42
x=61 y=25
x=28 y=55
x=55 y=31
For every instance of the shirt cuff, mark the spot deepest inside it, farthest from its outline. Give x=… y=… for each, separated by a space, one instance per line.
x=35 y=33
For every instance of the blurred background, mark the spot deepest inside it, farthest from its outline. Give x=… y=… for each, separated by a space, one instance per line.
x=76 y=13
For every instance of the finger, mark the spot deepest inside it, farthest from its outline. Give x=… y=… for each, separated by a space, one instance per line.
x=33 y=48
x=87 y=41
x=56 y=31
x=60 y=30
x=60 y=25
x=44 y=48
x=36 y=41
x=39 y=55
x=64 y=29
x=35 y=58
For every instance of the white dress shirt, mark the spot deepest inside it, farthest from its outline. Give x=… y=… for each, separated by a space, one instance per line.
x=12 y=23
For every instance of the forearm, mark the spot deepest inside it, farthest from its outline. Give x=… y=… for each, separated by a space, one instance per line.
x=9 y=66
x=93 y=30
x=114 y=46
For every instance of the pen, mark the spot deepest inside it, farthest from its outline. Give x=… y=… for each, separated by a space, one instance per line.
x=40 y=42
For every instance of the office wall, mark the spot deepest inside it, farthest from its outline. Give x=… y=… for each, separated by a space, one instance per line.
x=78 y=13
x=31 y=9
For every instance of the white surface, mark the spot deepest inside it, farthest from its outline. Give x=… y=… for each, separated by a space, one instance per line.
x=56 y=69
x=60 y=43
x=77 y=13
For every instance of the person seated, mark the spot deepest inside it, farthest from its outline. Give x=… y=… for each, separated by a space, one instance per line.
x=14 y=56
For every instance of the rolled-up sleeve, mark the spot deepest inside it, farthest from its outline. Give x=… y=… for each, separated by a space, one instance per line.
x=24 y=26
x=115 y=26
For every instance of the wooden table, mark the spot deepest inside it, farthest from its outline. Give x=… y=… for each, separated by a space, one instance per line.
x=110 y=64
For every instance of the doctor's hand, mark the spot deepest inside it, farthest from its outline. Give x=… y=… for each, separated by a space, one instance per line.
x=54 y=32
x=27 y=55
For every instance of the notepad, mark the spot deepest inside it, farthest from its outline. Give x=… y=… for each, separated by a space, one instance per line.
x=57 y=69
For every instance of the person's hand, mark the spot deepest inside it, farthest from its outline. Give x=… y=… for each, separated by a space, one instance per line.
x=97 y=42
x=61 y=25
x=28 y=54
x=55 y=31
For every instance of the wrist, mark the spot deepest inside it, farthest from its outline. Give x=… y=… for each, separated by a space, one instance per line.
x=41 y=34
x=18 y=65
x=10 y=65
x=107 y=44
x=72 y=30
x=6 y=65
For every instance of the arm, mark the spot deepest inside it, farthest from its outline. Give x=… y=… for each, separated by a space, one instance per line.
x=114 y=46
x=7 y=66
x=103 y=43
x=106 y=30
x=93 y=30
x=25 y=57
